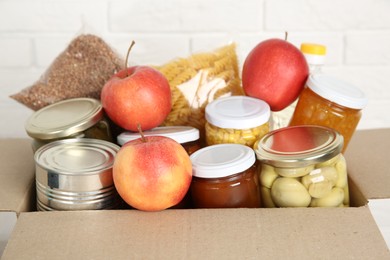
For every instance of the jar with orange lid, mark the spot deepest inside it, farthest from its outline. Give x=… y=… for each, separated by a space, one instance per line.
x=236 y=119
x=315 y=55
x=225 y=176
x=327 y=101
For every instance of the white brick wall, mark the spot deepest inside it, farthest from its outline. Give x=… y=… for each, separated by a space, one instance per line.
x=356 y=33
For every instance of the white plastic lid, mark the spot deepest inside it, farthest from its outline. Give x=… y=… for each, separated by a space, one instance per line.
x=238 y=112
x=181 y=134
x=337 y=91
x=222 y=160
x=313 y=59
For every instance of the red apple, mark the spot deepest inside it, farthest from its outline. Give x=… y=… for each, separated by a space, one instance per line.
x=137 y=95
x=276 y=72
x=152 y=173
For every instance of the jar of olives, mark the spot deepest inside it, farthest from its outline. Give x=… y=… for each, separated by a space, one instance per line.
x=302 y=166
x=327 y=101
x=236 y=119
x=70 y=118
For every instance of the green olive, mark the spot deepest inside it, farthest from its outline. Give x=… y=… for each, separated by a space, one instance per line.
x=294 y=172
x=266 y=198
x=320 y=189
x=330 y=162
x=267 y=175
x=333 y=199
x=341 y=167
x=289 y=192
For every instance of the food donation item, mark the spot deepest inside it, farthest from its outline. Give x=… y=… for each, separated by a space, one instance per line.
x=330 y=102
x=71 y=118
x=315 y=56
x=224 y=176
x=79 y=71
x=76 y=174
x=236 y=119
x=302 y=166
x=275 y=71
x=187 y=136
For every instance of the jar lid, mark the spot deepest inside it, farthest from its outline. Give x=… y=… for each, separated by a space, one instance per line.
x=299 y=146
x=238 y=112
x=64 y=118
x=181 y=134
x=337 y=91
x=222 y=160
x=313 y=48
x=76 y=156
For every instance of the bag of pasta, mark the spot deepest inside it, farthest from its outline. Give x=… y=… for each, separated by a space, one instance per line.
x=199 y=79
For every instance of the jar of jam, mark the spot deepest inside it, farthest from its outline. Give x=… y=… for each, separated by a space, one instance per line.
x=236 y=119
x=327 y=101
x=225 y=176
x=187 y=136
x=302 y=166
x=70 y=118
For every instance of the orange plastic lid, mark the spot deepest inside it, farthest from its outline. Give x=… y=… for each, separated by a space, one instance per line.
x=313 y=48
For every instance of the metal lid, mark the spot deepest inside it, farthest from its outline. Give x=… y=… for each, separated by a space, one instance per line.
x=238 y=112
x=299 y=146
x=76 y=156
x=222 y=160
x=181 y=134
x=64 y=118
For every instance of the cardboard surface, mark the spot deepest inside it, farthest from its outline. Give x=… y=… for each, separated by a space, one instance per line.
x=17 y=175
x=338 y=233
x=368 y=158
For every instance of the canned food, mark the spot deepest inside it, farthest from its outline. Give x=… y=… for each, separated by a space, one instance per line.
x=225 y=176
x=187 y=136
x=329 y=102
x=236 y=119
x=302 y=166
x=76 y=174
x=71 y=118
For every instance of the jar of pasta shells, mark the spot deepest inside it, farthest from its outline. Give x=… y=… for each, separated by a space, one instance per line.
x=236 y=119
x=302 y=166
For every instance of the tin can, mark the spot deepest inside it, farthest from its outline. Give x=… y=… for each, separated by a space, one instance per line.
x=236 y=119
x=71 y=118
x=302 y=166
x=187 y=136
x=225 y=176
x=76 y=174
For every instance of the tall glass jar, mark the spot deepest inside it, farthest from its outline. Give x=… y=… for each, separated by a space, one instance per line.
x=327 y=101
x=236 y=119
x=70 y=118
x=302 y=166
x=225 y=176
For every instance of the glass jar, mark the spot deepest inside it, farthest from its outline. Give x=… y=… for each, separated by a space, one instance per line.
x=225 y=176
x=302 y=166
x=315 y=56
x=327 y=101
x=71 y=118
x=236 y=119
x=187 y=136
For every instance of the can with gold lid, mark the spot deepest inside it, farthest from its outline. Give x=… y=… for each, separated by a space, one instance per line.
x=71 y=118
x=302 y=166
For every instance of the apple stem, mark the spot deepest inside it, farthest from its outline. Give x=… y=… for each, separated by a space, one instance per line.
x=127 y=56
x=285 y=36
x=141 y=133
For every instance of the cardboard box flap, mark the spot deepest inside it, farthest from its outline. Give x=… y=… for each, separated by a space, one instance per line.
x=368 y=161
x=17 y=175
x=309 y=233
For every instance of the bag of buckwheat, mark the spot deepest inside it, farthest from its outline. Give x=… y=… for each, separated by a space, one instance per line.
x=81 y=70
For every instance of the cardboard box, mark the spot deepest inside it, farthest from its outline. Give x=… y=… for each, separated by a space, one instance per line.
x=17 y=183
x=285 y=233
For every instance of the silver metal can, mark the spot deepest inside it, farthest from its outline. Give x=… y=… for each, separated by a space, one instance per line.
x=76 y=174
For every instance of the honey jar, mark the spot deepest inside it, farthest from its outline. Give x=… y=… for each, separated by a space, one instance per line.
x=70 y=118
x=187 y=136
x=225 y=176
x=327 y=101
x=302 y=166
x=236 y=119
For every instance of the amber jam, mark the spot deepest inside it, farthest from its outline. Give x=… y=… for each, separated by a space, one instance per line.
x=225 y=176
x=331 y=103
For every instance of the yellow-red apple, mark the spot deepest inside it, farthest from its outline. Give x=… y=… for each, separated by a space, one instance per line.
x=137 y=95
x=152 y=173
